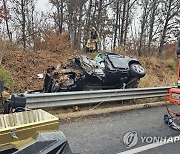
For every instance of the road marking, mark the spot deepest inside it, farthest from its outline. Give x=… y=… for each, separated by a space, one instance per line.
x=147 y=147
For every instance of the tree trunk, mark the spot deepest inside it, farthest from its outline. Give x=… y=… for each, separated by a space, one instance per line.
x=123 y=22
x=23 y=23
x=165 y=27
x=93 y=19
x=99 y=14
x=88 y=21
x=143 y=24
x=32 y=20
x=127 y=22
x=59 y=7
x=62 y=17
x=80 y=27
x=119 y=23
x=6 y=21
x=116 y=25
x=152 y=20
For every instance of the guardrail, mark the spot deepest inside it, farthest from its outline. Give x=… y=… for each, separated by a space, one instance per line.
x=60 y=99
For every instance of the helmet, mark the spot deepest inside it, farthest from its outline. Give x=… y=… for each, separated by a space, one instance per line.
x=93 y=28
x=177 y=33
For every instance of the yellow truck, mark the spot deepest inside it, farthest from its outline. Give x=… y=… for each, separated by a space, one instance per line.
x=29 y=131
x=34 y=131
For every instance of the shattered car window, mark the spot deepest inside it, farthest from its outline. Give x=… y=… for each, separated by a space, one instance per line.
x=98 y=58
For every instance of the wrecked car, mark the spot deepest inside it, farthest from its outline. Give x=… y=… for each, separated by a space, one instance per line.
x=106 y=71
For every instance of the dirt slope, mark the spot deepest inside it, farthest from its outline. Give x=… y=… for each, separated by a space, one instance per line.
x=24 y=67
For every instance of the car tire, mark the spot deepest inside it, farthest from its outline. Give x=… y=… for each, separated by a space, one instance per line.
x=137 y=70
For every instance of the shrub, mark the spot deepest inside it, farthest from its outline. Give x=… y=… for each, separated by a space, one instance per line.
x=171 y=64
x=8 y=82
x=53 y=41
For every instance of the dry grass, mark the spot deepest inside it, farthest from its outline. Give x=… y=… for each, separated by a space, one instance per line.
x=160 y=71
x=53 y=41
x=24 y=66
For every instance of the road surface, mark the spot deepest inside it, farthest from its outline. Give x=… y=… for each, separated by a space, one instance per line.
x=104 y=134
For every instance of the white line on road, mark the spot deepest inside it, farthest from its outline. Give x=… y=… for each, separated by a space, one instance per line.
x=149 y=146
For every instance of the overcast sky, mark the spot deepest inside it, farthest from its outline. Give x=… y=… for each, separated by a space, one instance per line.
x=43 y=5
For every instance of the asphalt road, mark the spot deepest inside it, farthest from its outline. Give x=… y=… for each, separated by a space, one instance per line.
x=104 y=134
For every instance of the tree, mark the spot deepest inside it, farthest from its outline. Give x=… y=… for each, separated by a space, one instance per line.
x=116 y=23
x=123 y=22
x=128 y=18
x=58 y=15
x=24 y=12
x=170 y=9
x=6 y=16
x=145 y=13
x=153 y=14
x=113 y=19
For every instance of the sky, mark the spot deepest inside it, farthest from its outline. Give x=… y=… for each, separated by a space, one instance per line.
x=43 y=5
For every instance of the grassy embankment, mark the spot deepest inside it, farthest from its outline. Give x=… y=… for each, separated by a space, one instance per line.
x=9 y=85
x=20 y=69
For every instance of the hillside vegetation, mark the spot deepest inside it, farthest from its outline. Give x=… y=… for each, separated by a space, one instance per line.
x=19 y=69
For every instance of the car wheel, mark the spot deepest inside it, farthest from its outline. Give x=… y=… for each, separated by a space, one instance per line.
x=137 y=70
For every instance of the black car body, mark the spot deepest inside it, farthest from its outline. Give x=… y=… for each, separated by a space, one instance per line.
x=106 y=71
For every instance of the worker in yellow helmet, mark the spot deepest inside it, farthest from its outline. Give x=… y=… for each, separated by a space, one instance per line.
x=92 y=44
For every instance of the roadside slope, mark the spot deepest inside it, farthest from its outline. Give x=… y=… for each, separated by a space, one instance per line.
x=24 y=67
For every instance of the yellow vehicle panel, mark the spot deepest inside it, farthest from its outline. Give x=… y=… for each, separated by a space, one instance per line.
x=17 y=129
